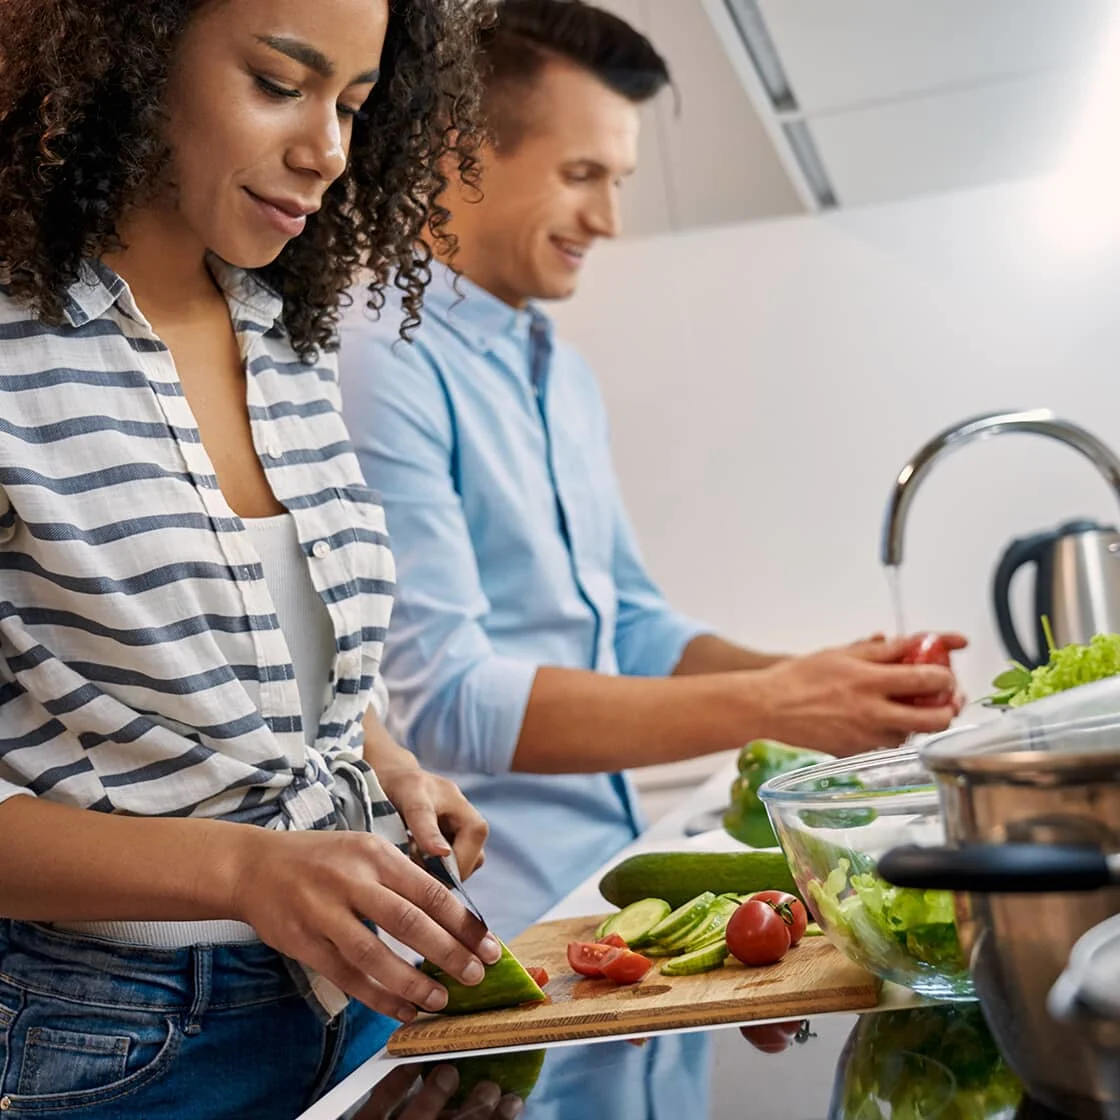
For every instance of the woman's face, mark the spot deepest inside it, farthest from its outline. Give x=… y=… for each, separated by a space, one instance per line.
x=261 y=102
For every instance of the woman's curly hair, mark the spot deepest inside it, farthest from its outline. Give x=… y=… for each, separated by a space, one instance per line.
x=81 y=124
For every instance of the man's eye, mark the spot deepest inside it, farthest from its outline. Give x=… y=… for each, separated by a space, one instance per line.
x=274 y=90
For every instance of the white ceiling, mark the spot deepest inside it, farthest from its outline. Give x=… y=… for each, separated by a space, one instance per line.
x=898 y=97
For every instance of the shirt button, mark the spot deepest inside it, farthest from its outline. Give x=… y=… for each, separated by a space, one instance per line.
x=273 y=450
x=320 y=549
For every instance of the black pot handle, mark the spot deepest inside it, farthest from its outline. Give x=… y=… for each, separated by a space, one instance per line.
x=998 y=868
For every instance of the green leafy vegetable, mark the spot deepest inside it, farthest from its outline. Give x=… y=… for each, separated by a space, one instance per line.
x=899 y=929
x=930 y=1061
x=1067 y=667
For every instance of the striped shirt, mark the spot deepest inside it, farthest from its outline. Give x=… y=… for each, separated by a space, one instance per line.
x=143 y=669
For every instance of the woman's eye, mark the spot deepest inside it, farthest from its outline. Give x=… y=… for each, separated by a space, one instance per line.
x=274 y=90
x=350 y=113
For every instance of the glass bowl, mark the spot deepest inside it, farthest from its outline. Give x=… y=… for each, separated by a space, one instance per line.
x=833 y=822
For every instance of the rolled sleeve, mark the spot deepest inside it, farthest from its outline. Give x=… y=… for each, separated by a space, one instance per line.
x=454 y=702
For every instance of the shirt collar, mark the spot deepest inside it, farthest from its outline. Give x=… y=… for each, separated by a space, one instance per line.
x=478 y=317
x=98 y=288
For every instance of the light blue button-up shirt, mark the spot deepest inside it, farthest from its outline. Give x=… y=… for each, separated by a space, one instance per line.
x=488 y=441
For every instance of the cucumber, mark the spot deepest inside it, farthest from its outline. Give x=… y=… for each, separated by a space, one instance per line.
x=684 y=918
x=678 y=876
x=703 y=959
x=712 y=927
x=634 y=922
x=506 y=984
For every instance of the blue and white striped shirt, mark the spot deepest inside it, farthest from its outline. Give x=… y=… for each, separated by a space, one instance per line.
x=142 y=666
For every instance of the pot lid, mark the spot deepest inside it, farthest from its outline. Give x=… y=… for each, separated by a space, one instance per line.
x=1071 y=736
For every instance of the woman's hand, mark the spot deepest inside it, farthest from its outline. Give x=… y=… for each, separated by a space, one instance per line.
x=434 y=809
x=310 y=894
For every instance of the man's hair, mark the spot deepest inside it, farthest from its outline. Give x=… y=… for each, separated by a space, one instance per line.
x=525 y=35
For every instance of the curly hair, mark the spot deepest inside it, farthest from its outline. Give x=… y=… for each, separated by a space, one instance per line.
x=82 y=84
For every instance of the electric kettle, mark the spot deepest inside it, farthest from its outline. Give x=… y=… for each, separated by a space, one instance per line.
x=1076 y=586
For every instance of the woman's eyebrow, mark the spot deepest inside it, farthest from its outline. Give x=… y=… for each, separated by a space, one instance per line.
x=312 y=57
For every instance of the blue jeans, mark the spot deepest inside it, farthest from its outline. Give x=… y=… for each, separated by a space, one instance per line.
x=106 y=1032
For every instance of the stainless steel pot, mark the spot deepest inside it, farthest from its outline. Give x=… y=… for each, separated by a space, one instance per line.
x=1032 y=804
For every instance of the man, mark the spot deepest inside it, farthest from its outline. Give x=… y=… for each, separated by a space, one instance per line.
x=530 y=654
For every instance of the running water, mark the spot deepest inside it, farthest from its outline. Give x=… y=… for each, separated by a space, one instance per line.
x=894 y=584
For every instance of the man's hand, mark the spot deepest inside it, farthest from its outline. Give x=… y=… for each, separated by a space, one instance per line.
x=430 y=1101
x=854 y=698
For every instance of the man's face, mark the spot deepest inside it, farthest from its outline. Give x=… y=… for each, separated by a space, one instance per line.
x=547 y=200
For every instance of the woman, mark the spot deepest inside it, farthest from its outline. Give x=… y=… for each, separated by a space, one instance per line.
x=194 y=584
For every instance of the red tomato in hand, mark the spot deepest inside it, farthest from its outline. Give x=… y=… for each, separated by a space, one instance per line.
x=627 y=968
x=790 y=909
x=588 y=957
x=539 y=975
x=615 y=939
x=773 y=1038
x=756 y=934
x=928 y=649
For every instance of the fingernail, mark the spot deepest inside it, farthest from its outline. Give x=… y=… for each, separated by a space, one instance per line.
x=437 y=998
x=490 y=949
x=488 y=1094
x=446 y=1079
x=473 y=973
x=511 y=1108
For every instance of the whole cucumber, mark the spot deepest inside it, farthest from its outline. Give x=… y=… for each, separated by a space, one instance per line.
x=679 y=876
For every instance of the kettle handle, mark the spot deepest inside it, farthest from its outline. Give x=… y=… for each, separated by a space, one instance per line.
x=1026 y=551
x=1015 y=868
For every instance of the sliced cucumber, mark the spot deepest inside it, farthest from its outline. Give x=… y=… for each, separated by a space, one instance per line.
x=634 y=922
x=713 y=925
x=683 y=918
x=703 y=959
x=506 y=984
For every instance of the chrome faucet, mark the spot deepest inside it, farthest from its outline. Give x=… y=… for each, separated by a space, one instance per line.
x=1039 y=421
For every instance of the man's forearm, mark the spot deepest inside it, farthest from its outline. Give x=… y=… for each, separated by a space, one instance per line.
x=708 y=653
x=583 y=722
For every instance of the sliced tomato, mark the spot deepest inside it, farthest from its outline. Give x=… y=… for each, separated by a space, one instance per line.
x=539 y=975
x=615 y=939
x=756 y=934
x=588 y=957
x=790 y=909
x=627 y=968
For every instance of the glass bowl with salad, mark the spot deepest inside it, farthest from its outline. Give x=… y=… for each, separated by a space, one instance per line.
x=833 y=822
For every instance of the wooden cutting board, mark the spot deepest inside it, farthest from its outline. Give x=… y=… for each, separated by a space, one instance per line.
x=812 y=978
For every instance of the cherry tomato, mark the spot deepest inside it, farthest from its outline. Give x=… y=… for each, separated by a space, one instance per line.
x=928 y=649
x=790 y=909
x=756 y=934
x=615 y=939
x=627 y=968
x=588 y=957
x=539 y=975
x=773 y=1038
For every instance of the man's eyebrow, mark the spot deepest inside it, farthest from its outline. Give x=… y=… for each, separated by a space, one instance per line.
x=312 y=58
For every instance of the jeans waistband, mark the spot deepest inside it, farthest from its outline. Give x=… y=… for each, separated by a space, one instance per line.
x=67 y=965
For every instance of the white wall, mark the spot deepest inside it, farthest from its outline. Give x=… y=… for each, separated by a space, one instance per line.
x=766 y=382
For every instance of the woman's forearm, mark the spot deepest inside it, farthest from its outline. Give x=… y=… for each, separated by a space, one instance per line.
x=58 y=863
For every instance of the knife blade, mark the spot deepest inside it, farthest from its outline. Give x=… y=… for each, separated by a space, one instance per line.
x=446 y=870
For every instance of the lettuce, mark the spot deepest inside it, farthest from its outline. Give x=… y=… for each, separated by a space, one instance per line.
x=897 y=927
x=1068 y=667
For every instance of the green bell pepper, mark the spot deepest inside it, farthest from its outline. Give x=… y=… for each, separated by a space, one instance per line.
x=759 y=761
